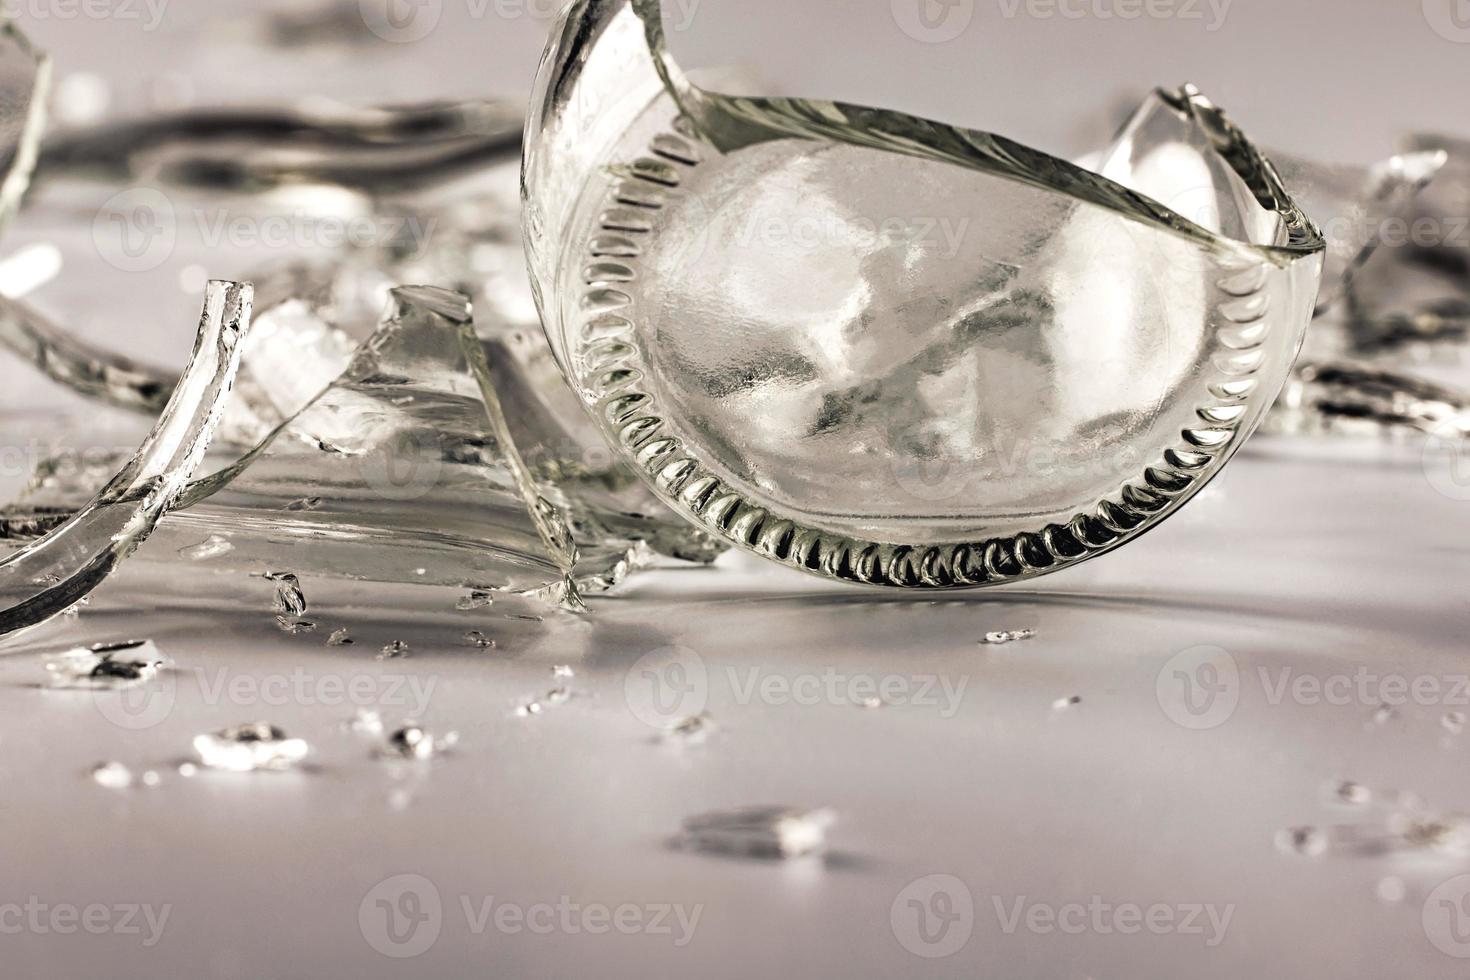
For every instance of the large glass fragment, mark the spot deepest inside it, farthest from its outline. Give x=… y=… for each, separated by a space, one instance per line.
x=401 y=470
x=60 y=569
x=891 y=351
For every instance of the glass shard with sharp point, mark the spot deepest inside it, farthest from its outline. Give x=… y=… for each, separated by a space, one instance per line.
x=53 y=573
x=757 y=301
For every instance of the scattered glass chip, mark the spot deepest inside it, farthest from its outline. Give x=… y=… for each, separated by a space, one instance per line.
x=113 y=775
x=1303 y=841
x=295 y=627
x=477 y=639
x=1446 y=834
x=366 y=722
x=694 y=730
x=249 y=748
x=106 y=666
x=397 y=650
x=477 y=599
x=773 y=832
x=554 y=697
x=1007 y=636
x=289 y=600
x=340 y=638
x=1383 y=714
x=214 y=546
x=417 y=743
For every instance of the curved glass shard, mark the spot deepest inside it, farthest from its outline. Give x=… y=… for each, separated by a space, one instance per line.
x=376 y=148
x=25 y=87
x=108 y=377
x=891 y=351
x=55 y=572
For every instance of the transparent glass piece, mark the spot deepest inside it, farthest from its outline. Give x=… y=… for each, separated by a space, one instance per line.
x=1411 y=307
x=1355 y=207
x=477 y=246
x=25 y=87
x=1389 y=351
x=1348 y=398
x=250 y=748
x=55 y=572
x=386 y=496
x=888 y=350
x=759 y=832
x=417 y=744
x=618 y=523
x=106 y=666
x=388 y=148
x=112 y=775
x=414 y=475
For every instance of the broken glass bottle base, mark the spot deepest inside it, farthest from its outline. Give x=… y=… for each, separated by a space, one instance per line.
x=890 y=351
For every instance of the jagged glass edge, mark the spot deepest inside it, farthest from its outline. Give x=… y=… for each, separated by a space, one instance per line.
x=730 y=123
x=52 y=574
x=550 y=524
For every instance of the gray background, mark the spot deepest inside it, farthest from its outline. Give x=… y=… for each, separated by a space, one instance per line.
x=1323 y=561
